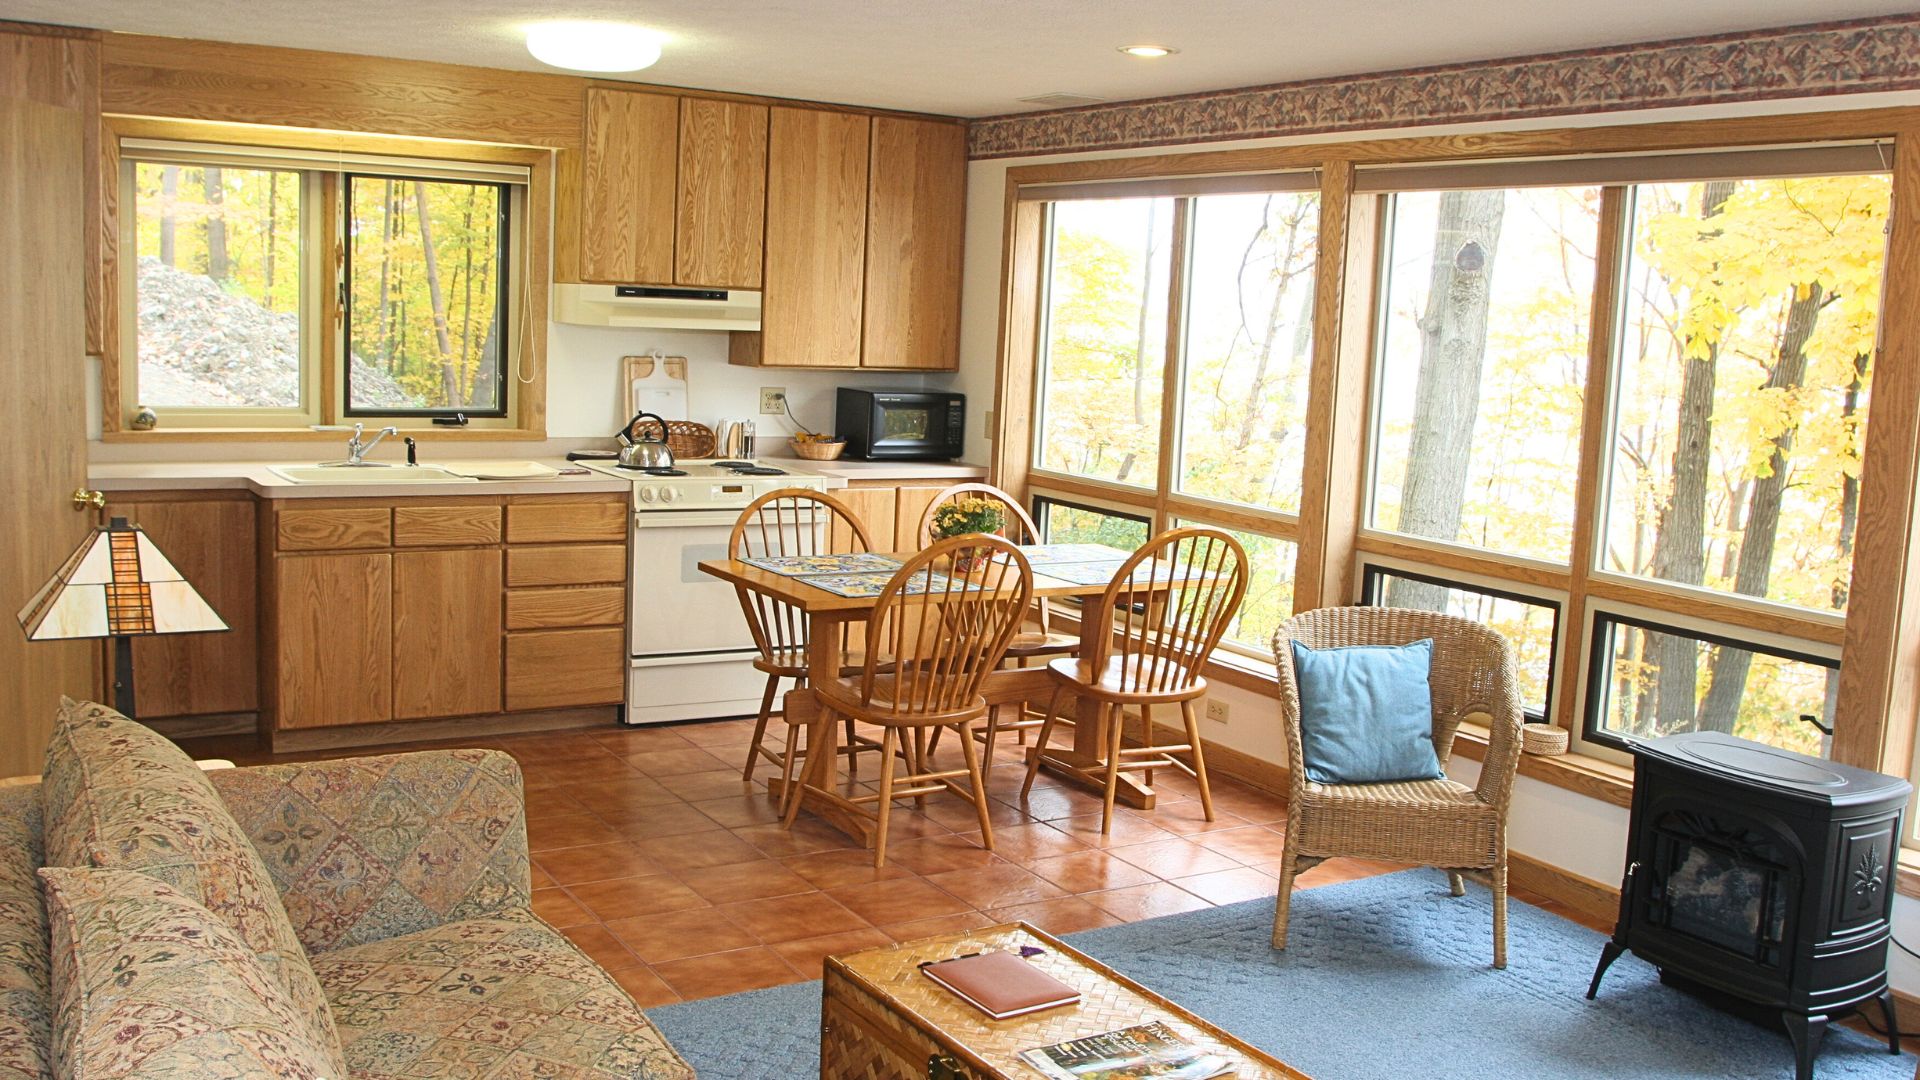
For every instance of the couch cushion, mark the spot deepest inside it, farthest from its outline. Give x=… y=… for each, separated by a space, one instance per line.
x=1366 y=713
x=499 y=996
x=26 y=1002
x=153 y=985
x=120 y=796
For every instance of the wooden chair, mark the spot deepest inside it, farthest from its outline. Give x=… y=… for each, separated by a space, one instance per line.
x=1040 y=643
x=790 y=521
x=1437 y=823
x=941 y=643
x=1162 y=639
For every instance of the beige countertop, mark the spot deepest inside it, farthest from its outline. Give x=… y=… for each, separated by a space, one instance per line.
x=255 y=476
x=955 y=471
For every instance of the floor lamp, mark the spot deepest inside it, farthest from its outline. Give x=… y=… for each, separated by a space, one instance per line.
x=117 y=584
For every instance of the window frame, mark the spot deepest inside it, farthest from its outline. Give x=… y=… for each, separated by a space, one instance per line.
x=510 y=214
x=530 y=173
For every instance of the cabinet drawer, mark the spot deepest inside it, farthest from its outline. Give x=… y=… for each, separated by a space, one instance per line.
x=561 y=521
x=553 y=669
x=544 y=609
x=445 y=526
x=334 y=528
x=584 y=564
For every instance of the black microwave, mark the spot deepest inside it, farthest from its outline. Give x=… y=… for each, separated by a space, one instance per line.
x=902 y=425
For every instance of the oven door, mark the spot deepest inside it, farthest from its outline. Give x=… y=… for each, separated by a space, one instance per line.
x=675 y=608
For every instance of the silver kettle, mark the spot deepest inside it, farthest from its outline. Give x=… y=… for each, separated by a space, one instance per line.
x=645 y=453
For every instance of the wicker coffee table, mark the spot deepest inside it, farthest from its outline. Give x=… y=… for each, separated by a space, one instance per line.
x=883 y=1020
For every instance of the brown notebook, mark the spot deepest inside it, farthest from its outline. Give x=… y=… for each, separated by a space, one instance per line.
x=1000 y=984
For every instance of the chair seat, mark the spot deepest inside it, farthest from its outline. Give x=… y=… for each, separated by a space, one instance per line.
x=792 y=663
x=1432 y=822
x=1030 y=643
x=844 y=694
x=1108 y=680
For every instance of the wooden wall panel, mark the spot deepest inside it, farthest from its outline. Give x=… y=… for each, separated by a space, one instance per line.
x=254 y=84
x=60 y=66
x=916 y=225
x=43 y=172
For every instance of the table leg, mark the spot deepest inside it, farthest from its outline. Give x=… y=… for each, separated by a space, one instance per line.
x=1085 y=763
x=819 y=771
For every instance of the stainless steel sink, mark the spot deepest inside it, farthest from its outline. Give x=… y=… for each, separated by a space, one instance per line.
x=367 y=474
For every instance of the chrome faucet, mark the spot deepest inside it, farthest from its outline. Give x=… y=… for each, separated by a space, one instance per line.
x=357 y=451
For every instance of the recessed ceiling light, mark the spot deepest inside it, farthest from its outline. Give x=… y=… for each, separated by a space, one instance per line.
x=594 y=46
x=1148 y=51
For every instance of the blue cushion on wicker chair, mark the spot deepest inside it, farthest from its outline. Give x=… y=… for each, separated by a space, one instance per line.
x=1366 y=713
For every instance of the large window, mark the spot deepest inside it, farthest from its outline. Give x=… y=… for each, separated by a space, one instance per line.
x=1531 y=625
x=1485 y=308
x=1174 y=364
x=237 y=313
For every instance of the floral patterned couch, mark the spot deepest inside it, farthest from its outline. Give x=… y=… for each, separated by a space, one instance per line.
x=400 y=881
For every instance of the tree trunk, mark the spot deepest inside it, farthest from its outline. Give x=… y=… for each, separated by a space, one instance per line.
x=1679 y=548
x=1849 y=520
x=273 y=234
x=1453 y=352
x=217 y=265
x=1140 y=328
x=466 y=302
x=449 y=382
x=169 y=196
x=1727 y=681
x=385 y=309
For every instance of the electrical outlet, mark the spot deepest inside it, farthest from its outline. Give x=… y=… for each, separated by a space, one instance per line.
x=1217 y=710
x=773 y=400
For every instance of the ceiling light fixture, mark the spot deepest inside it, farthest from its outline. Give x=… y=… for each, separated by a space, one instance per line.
x=1150 y=52
x=594 y=46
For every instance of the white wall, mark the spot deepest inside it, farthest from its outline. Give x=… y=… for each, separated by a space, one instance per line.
x=1582 y=835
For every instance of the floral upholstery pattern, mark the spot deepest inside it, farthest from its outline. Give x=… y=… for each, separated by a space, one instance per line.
x=153 y=985
x=118 y=795
x=26 y=976
x=368 y=848
x=490 y=998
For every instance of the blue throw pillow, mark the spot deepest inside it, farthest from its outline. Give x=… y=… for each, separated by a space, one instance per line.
x=1366 y=713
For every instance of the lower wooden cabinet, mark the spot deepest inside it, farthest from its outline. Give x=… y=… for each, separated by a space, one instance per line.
x=446 y=633
x=333 y=639
x=890 y=513
x=557 y=669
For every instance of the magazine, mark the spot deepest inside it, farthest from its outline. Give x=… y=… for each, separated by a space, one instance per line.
x=866 y=585
x=1047 y=554
x=1145 y=1052
x=802 y=565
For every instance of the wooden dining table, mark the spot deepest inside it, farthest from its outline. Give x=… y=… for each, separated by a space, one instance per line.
x=829 y=613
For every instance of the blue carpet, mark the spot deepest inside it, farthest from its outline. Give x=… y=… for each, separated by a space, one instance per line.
x=1385 y=976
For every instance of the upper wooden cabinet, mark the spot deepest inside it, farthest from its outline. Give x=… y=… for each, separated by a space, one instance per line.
x=720 y=216
x=816 y=241
x=672 y=190
x=916 y=216
x=627 y=187
x=864 y=223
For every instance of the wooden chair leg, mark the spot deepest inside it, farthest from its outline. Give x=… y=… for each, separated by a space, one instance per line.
x=1192 y=717
x=1283 y=903
x=993 y=735
x=1111 y=716
x=888 y=743
x=790 y=772
x=1146 y=733
x=920 y=764
x=1500 y=910
x=853 y=759
x=933 y=741
x=979 y=783
x=760 y=727
x=1040 y=741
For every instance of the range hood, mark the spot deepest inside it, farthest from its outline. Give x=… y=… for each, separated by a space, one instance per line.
x=657 y=307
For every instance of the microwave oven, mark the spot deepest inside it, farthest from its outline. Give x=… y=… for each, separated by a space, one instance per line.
x=902 y=425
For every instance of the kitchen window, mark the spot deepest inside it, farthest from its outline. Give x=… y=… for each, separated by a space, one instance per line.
x=282 y=288
x=1176 y=341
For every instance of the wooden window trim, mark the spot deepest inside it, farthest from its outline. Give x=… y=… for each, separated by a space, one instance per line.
x=1880 y=694
x=528 y=383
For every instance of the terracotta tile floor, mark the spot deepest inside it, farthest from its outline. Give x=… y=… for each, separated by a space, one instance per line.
x=658 y=861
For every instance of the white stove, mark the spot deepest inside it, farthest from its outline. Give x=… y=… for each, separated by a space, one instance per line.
x=690 y=655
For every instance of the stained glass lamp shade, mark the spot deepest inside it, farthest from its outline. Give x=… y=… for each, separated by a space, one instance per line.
x=117 y=584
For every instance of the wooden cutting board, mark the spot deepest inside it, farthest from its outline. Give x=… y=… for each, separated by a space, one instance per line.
x=660 y=389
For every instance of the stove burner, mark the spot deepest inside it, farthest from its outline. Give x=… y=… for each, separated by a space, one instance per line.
x=759 y=470
x=733 y=465
x=651 y=470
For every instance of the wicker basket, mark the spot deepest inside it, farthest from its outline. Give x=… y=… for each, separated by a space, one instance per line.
x=1543 y=740
x=818 y=451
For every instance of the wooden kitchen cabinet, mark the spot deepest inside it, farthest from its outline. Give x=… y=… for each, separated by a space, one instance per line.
x=817 y=165
x=873 y=507
x=628 y=176
x=889 y=511
x=720 y=216
x=446 y=633
x=916 y=221
x=333 y=639
x=555 y=669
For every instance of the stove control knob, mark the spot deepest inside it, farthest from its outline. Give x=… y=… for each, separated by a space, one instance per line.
x=669 y=494
x=648 y=494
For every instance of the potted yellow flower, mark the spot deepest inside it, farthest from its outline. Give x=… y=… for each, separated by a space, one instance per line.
x=964 y=517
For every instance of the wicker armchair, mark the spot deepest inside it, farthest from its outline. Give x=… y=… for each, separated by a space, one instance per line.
x=1437 y=823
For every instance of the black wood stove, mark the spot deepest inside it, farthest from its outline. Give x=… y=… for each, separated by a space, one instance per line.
x=1763 y=879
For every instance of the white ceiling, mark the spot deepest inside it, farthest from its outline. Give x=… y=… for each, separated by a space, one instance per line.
x=966 y=58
